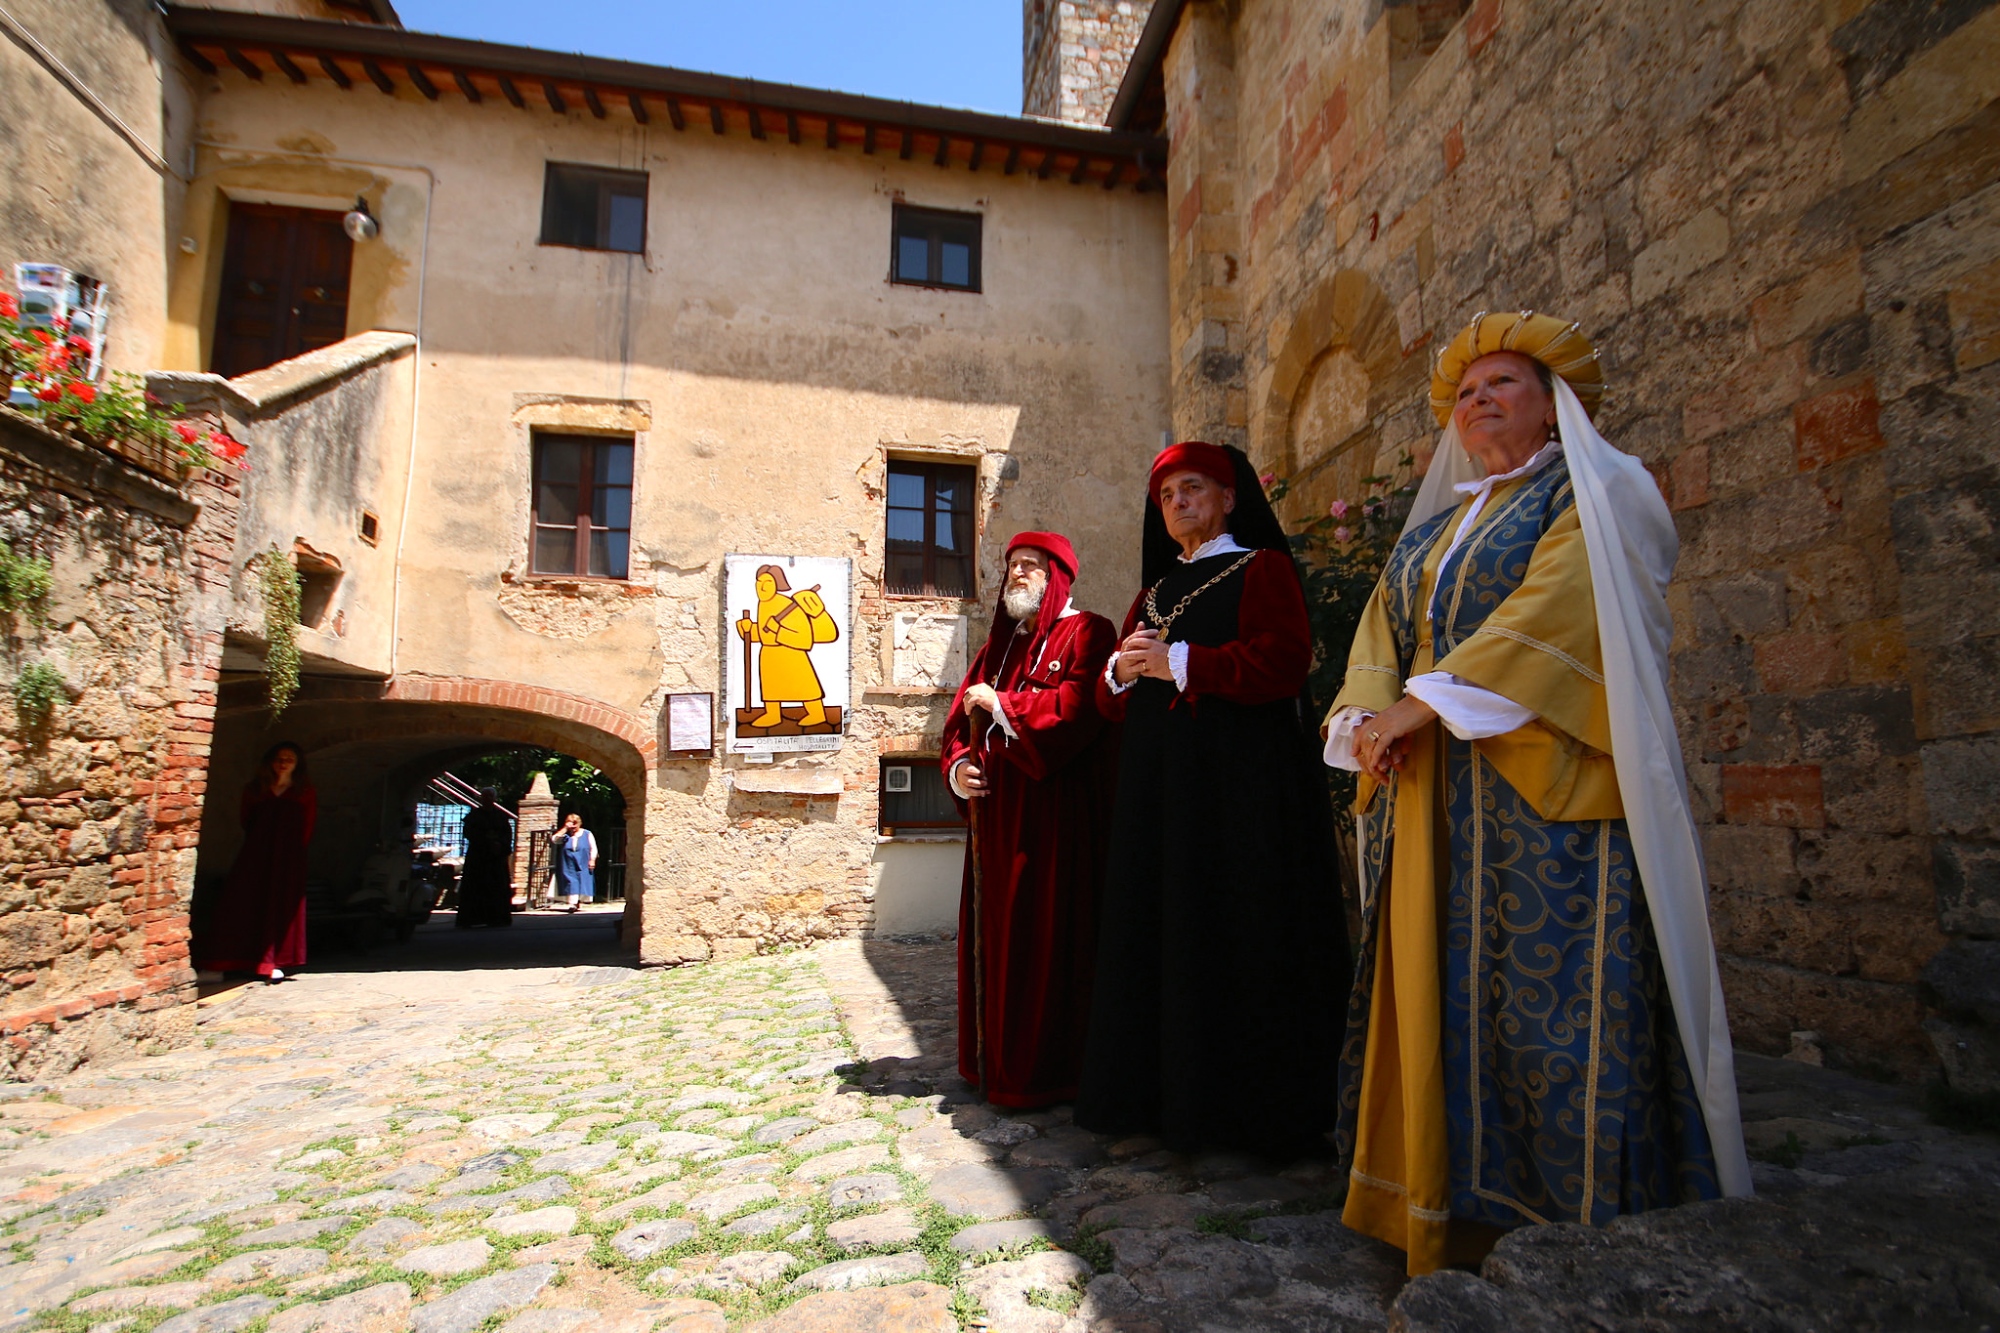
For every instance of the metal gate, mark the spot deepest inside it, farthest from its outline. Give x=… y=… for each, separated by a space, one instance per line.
x=609 y=880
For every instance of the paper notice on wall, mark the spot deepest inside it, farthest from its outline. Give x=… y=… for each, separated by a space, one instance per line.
x=690 y=722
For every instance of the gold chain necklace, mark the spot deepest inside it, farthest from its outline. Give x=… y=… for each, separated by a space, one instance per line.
x=1165 y=622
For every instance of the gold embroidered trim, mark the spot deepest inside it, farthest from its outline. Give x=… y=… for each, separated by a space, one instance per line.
x=1478 y=951
x=1366 y=666
x=1391 y=1187
x=1501 y=631
x=1595 y=1068
x=1487 y=522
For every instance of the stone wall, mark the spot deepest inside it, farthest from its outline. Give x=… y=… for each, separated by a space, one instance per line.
x=1074 y=53
x=1777 y=220
x=100 y=805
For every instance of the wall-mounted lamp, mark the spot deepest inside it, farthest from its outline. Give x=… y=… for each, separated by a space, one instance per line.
x=359 y=223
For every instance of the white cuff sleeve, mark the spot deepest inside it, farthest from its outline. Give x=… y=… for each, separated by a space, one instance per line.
x=1339 y=751
x=1467 y=711
x=1111 y=676
x=952 y=778
x=1177 y=656
x=1001 y=721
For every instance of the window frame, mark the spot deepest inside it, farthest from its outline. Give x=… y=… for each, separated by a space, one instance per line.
x=903 y=213
x=586 y=482
x=921 y=828
x=929 y=468
x=605 y=178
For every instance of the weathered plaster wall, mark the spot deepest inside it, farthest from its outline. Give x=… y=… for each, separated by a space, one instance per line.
x=1777 y=220
x=767 y=371
x=79 y=190
x=100 y=808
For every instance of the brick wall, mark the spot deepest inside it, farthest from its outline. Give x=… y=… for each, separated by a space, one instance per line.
x=1777 y=218
x=1074 y=55
x=100 y=809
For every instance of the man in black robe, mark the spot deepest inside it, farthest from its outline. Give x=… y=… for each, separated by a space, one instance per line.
x=1223 y=964
x=486 y=886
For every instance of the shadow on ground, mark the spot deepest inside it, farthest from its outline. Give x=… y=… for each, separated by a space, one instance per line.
x=536 y=939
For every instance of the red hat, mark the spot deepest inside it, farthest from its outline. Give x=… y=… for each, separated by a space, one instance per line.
x=1054 y=543
x=1211 y=460
x=1062 y=573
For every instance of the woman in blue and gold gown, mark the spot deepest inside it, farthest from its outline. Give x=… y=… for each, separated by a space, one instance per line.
x=1519 y=1044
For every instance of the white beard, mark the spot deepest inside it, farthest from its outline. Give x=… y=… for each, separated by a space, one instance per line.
x=1022 y=603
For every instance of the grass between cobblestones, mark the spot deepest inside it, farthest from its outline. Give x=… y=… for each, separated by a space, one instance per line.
x=763 y=1016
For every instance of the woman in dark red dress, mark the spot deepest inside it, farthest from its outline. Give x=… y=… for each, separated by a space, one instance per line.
x=259 y=923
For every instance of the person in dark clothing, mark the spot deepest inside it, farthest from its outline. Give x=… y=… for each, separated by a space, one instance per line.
x=1223 y=964
x=486 y=884
x=259 y=920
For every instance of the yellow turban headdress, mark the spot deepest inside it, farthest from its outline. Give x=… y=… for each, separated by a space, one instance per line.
x=1545 y=338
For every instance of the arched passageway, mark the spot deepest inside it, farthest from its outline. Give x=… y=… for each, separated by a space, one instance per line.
x=373 y=751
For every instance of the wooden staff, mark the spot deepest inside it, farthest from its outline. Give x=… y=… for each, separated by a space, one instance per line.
x=748 y=704
x=978 y=916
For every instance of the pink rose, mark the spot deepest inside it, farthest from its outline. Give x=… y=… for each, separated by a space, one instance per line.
x=1343 y=535
x=1339 y=510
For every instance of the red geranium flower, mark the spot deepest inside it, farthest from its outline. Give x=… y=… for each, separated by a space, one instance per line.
x=227 y=447
x=49 y=393
x=83 y=392
x=188 y=433
x=8 y=307
x=42 y=336
x=79 y=343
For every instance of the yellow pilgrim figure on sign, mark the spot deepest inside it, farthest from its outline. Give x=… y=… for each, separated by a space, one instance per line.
x=786 y=627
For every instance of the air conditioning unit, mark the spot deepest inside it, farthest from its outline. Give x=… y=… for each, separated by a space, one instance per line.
x=896 y=777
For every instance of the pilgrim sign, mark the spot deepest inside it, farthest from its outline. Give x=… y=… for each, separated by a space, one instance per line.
x=786 y=641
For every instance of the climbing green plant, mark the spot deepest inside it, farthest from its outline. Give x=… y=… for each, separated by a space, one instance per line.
x=37 y=691
x=281 y=628
x=24 y=580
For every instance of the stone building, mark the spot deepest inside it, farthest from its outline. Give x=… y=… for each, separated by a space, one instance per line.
x=1074 y=54
x=1774 y=217
x=762 y=311
x=1777 y=219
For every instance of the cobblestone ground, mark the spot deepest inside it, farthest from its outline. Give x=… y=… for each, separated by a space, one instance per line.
x=783 y=1143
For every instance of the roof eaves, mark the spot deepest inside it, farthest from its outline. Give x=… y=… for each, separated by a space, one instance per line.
x=1147 y=54
x=236 y=31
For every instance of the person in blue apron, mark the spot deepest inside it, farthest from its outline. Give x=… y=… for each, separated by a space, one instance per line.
x=573 y=852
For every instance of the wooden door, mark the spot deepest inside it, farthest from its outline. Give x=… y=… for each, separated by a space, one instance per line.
x=284 y=286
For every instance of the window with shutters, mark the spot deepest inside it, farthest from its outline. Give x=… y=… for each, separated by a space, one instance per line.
x=934 y=248
x=583 y=506
x=930 y=529
x=915 y=798
x=594 y=208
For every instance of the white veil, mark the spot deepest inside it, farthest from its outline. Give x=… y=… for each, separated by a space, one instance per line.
x=1629 y=534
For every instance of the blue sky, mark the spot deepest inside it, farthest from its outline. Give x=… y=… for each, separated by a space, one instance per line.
x=964 y=53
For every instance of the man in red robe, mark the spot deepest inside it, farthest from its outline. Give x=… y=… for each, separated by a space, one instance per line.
x=1032 y=760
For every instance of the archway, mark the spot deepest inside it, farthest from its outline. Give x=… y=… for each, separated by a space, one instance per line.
x=1337 y=398
x=374 y=747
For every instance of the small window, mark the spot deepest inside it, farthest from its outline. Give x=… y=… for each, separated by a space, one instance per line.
x=371 y=528
x=594 y=208
x=930 y=529
x=936 y=249
x=583 y=505
x=914 y=797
